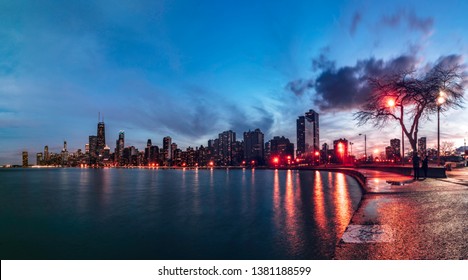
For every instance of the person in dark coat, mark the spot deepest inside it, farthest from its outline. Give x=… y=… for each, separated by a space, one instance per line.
x=425 y=166
x=415 y=165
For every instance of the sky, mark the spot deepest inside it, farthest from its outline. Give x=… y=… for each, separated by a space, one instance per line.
x=192 y=69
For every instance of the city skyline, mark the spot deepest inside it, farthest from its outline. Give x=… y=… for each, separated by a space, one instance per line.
x=153 y=70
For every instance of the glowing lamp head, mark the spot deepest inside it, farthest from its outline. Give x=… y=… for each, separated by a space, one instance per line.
x=316 y=153
x=440 y=100
x=391 y=103
x=275 y=160
x=340 y=147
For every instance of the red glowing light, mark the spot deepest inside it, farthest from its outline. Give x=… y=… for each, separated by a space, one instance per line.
x=275 y=160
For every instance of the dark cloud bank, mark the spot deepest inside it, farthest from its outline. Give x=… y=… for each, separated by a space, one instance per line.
x=346 y=87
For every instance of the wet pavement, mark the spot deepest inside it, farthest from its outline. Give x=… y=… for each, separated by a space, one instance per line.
x=424 y=219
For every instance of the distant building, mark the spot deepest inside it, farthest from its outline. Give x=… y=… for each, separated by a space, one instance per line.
x=101 y=138
x=389 y=153
x=279 y=150
x=226 y=142
x=396 y=149
x=308 y=140
x=147 y=151
x=39 y=159
x=254 y=147
x=64 y=153
x=167 y=142
x=325 y=154
x=422 y=146
x=106 y=153
x=119 y=149
x=340 y=148
x=25 y=159
x=46 y=154
x=93 y=151
x=173 y=148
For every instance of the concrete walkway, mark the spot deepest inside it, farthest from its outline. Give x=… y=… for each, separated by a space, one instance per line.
x=424 y=219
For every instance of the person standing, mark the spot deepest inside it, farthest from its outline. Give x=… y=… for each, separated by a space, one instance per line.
x=425 y=166
x=415 y=165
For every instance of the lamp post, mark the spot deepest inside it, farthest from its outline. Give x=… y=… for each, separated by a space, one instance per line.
x=365 y=145
x=440 y=101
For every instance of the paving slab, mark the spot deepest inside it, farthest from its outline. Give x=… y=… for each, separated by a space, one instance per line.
x=424 y=219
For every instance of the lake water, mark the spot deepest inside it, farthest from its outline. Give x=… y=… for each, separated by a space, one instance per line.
x=173 y=214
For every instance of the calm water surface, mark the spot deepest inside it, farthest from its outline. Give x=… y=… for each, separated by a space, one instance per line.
x=173 y=214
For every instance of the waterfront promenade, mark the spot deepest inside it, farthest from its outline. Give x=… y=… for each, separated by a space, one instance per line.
x=424 y=219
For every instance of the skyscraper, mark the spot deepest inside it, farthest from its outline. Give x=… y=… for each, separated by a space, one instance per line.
x=300 y=130
x=225 y=147
x=101 y=138
x=46 y=154
x=147 y=151
x=167 y=142
x=119 y=148
x=173 y=149
x=39 y=159
x=25 y=159
x=254 y=146
x=93 y=151
x=64 y=153
x=308 y=140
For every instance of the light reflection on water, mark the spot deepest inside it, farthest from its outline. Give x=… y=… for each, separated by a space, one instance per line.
x=174 y=214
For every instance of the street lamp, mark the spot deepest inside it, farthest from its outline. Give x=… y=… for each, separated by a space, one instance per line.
x=365 y=145
x=440 y=101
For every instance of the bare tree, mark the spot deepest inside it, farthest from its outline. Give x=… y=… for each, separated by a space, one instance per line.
x=411 y=98
x=447 y=148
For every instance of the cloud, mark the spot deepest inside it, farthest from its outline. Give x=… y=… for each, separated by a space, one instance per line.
x=409 y=18
x=346 y=87
x=357 y=17
x=300 y=86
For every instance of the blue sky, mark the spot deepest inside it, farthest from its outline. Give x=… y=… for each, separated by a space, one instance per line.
x=192 y=69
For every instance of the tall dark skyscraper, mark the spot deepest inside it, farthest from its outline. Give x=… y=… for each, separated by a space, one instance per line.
x=254 y=146
x=119 y=148
x=101 y=137
x=225 y=147
x=300 y=127
x=64 y=153
x=46 y=154
x=93 y=152
x=167 y=145
x=147 y=151
x=308 y=140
